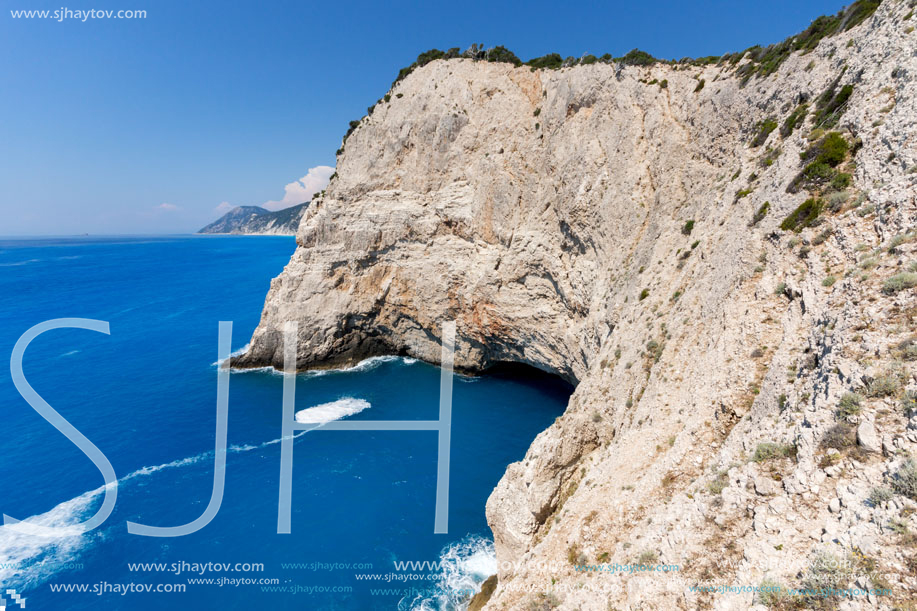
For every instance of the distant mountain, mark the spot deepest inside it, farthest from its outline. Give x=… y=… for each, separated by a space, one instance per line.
x=257 y=220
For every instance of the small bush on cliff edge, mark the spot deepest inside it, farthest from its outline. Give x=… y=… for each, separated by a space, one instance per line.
x=636 y=57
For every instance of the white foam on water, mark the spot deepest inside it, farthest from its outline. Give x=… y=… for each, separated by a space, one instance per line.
x=27 y=561
x=464 y=566
x=362 y=366
x=239 y=352
x=267 y=369
x=335 y=410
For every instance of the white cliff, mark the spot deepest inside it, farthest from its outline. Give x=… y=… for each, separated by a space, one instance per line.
x=597 y=222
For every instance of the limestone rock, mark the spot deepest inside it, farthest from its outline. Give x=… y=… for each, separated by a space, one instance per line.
x=867 y=437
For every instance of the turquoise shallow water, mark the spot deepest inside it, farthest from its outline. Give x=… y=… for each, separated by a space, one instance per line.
x=146 y=395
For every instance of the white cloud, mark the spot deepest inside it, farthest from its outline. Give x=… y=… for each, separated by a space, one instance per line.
x=223 y=208
x=167 y=207
x=302 y=190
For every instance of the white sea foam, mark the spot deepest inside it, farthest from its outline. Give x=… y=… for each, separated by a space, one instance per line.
x=362 y=366
x=238 y=352
x=328 y=412
x=464 y=566
x=27 y=561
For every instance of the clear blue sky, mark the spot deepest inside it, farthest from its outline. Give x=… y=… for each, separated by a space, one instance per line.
x=104 y=121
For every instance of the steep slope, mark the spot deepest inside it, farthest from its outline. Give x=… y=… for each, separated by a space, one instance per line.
x=621 y=226
x=257 y=220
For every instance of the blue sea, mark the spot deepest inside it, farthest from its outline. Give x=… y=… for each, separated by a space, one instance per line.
x=145 y=395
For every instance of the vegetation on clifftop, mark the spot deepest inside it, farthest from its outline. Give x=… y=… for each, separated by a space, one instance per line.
x=762 y=61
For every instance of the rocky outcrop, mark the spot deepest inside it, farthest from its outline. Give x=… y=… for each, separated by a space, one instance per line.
x=255 y=220
x=620 y=226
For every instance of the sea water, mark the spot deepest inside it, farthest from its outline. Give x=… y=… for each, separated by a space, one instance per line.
x=145 y=395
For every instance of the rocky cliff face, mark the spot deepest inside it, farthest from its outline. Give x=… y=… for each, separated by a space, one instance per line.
x=620 y=226
x=255 y=220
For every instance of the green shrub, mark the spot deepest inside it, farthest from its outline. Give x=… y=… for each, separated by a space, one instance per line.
x=636 y=57
x=770 y=156
x=827 y=573
x=718 y=483
x=899 y=282
x=839 y=437
x=907 y=350
x=908 y=401
x=425 y=58
x=885 y=385
x=654 y=349
x=821 y=238
x=880 y=494
x=803 y=216
x=818 y=172
x=664 y=84
x=771 y=451
x=766 y=61
x=764 y=129
x=502 y=54
x=648 y=557
x=644 y=294
x=700 y=85
x=761 y=213
x=772 y=594
x=794 y=120
x=836 y=200
x=849 y=405
x=821 y=159
x=859 y=12
x=688 y=227
x=742 y=193
x=573 y=553
x=841 y=181
x=901 y=238
x=551 y=61
x=831 y=105
x=832 y=149
x=905 y=481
